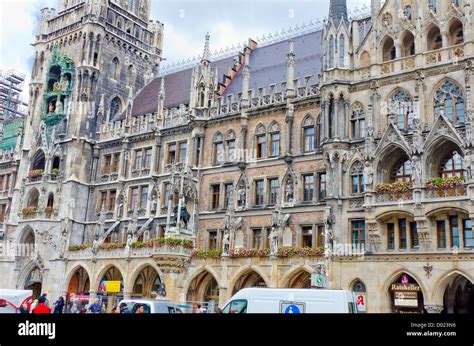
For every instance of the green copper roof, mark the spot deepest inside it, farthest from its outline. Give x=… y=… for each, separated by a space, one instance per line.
x=10 y=133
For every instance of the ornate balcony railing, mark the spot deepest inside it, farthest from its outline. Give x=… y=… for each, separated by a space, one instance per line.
x=457 y=191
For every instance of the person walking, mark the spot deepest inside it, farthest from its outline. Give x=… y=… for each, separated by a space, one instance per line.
x=33 y=305
x=74 y=308
x=46 y=300
x=59 y=306
x=124 y=309
x=95 y=308
x=41 y=308
x=198 y=309
x=24 y=309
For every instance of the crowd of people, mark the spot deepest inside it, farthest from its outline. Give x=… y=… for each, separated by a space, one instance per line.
x=42 y=306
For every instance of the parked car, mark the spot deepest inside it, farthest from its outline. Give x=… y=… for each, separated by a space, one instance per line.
x=290 y=301
x=152 y=306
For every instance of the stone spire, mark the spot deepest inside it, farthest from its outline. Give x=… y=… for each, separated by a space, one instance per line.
x=338 y=11
x=206 y=56
x=290 y=70
x=246 y=80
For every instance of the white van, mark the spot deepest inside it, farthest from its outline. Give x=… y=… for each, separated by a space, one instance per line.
x=291 y=301
x=12 y=300
x=152 y=306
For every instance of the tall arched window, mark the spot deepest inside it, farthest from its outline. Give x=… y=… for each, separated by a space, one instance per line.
x=402 y=171
x=435 y=40
x=360 y=293
x=456 y=33
x=331 y=52
x=407 y=12
x=449 y=101
x=408 y=44
x=389 y=52
x=274 y=139
x=401 y=108
x=342 y=51
x=261 y=142
x=357 y=122
x=309 y=134
x=357 y=177
x=218 y=149
x=114 y=69
x=453 y=166
x=231 y=150
x=115 y=106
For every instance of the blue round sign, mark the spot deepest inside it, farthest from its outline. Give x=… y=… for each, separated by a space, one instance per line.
x=292 y=309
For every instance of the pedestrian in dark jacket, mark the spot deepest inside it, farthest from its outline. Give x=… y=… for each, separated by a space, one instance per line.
x=59 y=306
x=24 y=309
x=95 y=308
x=41 y=308
x=124 y=309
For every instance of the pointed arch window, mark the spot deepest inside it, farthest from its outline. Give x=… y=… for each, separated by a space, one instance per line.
x=408 y=12
x=218 y=149
x=115 y=106
x=114 y=69
x=358 y=122
x=357 y=178
x=401 y=108
x=309 y=134
x=342 y=51
x=274 y=138
x=331 y=52
x=231 y=150
x=402 y=171
x=260 y=142
x=450 y=102
x=453 y=166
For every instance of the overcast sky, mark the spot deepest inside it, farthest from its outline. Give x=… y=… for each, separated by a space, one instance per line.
x=186 y=22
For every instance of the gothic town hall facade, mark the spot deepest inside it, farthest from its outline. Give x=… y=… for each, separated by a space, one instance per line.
x=344 y=149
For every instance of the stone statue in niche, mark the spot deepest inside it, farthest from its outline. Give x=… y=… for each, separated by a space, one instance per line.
x=51 y=107
x=368 y=175
x=59 y=106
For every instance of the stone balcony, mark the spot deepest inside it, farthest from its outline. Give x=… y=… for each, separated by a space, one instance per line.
x=422 y=195
x=137 y=250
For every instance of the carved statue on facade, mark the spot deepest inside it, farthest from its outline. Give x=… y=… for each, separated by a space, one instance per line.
x=416 y=169
x=231 y=223
x=279 y=221
x=242 y=195
x=184 y=217
x=289 y=190
x=368 y=175
x=329 y=220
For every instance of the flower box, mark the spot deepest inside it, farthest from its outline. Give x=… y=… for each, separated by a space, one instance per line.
x=214 y=253
x=394 y=188
x=79 y=247
x=49 y=211
x=29 y=211
x=35 y=173
x=450 y=183
x=55 y=172
x=299 y=251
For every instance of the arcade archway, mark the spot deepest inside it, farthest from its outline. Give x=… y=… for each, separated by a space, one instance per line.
x=147 y=283
x=203 y=289
x=249 y=279
x=459 y=296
